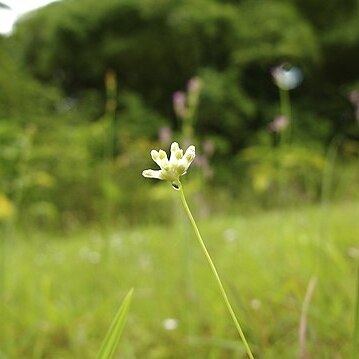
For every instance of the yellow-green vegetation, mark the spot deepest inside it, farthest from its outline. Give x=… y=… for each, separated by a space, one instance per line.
x=60 y=292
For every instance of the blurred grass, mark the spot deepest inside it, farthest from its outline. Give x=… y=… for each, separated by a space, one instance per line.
x=110 y=343
x=60 y=293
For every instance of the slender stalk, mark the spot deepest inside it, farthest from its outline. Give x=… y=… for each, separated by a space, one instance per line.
x=285 y=103
x=304 y=318
x=286 y=110
x=109 y=153
x=356 y=322
x=215 y=273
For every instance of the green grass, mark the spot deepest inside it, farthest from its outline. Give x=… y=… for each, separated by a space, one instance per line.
x=60 y=294
x=113 y=336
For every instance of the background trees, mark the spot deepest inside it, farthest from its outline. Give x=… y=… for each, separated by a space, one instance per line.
x=55 y=64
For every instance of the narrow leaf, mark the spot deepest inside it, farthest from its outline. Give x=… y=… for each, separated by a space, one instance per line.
x=356 y=321
x=110 y=343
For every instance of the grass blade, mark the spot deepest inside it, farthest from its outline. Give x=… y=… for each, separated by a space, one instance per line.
x=356 y=321
x=304 y=318
x=109 y=345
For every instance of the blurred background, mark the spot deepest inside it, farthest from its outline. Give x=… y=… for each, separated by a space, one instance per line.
x=88 y=85
x=268 y=91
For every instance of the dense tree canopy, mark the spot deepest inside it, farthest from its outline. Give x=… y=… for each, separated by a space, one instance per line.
x=155 y=46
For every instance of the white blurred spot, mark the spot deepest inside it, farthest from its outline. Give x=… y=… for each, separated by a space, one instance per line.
x=286 y=77
x=230 y=234
x=353 y=252
x=256 y=304
x=170 y=324
x=89 y=255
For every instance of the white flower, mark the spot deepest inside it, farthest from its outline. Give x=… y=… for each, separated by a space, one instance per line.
x=287 y=78
x=173 y=168
x=170 y=324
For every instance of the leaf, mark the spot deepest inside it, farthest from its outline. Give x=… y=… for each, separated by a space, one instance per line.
x=109 y=345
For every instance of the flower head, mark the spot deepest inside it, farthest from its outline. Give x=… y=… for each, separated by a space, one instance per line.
x=194 y=84
x=354 y=97
x=286 y=77
x=180 y=104
x=279 y=124
x=173 y=168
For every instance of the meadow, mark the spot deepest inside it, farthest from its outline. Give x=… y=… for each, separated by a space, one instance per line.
x=264 y=99
x=61 y=291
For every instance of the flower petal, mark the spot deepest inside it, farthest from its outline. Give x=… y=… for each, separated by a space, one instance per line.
x=163 y=160
x=190 y=153
x=160 y=157
x=174 y=149
x=153 y=174
x=188 y=157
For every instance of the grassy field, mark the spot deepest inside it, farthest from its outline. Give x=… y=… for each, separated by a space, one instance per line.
x=60 y=293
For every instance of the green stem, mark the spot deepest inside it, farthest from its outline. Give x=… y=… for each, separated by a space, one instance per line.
x=215 y=273
x=356 y=322
x=286 y=110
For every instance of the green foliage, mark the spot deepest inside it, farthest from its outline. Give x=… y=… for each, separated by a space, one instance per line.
x=230 y=127
x=135 y=119
x=283 y=173
x=274 y=31
x=21 y=96
x=72 y=152
x=155 y=47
